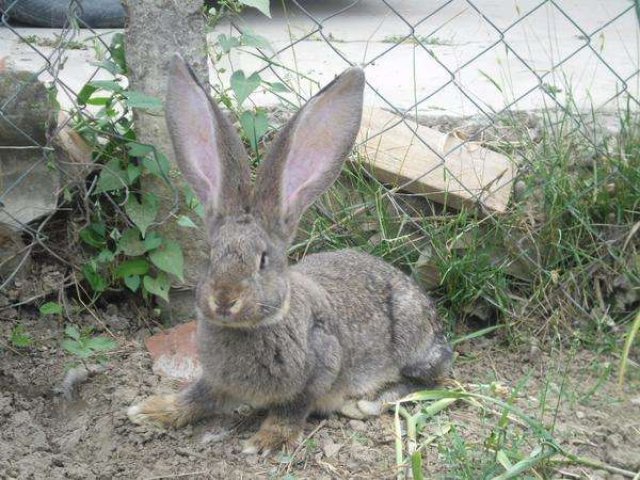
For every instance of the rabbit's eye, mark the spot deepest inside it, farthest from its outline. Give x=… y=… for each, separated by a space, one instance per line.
x=263 y=260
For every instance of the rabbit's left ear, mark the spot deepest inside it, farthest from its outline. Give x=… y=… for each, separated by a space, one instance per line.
x=308 y=153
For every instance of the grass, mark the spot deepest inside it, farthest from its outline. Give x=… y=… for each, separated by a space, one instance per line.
x=491 y=430
x=415 y=40
x=564 y=259
x=56 y=42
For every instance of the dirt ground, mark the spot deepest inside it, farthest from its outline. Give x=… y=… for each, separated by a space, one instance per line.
x=44 y=436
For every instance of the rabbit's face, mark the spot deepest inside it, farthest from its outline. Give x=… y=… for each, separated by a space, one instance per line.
x=245 y=285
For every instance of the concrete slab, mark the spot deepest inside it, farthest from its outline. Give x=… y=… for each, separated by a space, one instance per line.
x=463 y=65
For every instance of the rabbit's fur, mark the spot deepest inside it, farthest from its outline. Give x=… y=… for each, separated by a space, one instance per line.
x=292 y=340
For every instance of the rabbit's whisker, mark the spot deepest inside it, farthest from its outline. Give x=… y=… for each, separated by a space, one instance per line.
x=272 y=307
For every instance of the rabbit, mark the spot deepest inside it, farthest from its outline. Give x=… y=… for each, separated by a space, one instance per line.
x=291 y=340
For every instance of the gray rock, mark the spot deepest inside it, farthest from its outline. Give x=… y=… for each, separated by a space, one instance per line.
x=27 y=185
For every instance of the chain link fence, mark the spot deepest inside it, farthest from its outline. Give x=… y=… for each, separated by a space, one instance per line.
x=522 y=113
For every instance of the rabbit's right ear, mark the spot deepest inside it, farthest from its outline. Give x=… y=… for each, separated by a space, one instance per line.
x=208 y=150
x=306 y=156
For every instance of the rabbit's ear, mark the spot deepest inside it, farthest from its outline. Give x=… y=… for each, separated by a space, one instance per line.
x=208 y=150
x=308 y=153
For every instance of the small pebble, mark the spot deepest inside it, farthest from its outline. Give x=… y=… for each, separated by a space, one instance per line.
x=330 y=448
x=358 y=425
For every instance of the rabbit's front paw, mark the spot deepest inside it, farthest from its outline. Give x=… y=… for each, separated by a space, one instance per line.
x=272 y=437
x=160 y=410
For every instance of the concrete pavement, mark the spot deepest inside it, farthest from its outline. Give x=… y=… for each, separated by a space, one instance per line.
x=463 y=66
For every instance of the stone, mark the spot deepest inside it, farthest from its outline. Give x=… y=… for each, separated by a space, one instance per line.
x=439 y=165
x=28 y=112
x=174 y=352
x=330 y=448
x=358 y=425
x=28 y=185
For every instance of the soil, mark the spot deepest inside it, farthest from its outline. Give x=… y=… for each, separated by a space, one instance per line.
x=42 y=435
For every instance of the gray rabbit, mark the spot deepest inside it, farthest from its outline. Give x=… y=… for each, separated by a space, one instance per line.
x=314 y=337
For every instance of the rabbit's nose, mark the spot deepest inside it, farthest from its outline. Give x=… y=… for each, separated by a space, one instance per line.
x=225 y=305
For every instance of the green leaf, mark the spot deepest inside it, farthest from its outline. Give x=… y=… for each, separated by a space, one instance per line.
x=132 y=283
x=130 y=243
x=133 y=172
x=278 y=87
x=193 y=203
x=262 y=5
x=157 y=164
x=416 y=466
x=76 y=348
x=254 y=125
x=101 y=344
x=93 y=236
x=168 y=257
x=152 y=241
x=99 y=101
x=141 y=100
x=85 y=93
x=109 y=66
x=139 y=149
x=227 y=43
x=116 y=49
x=250 y=39
x=96 y=281
x=51 y=308
x=112 y=177
x=186 y=222
x=503 y=459
x=243 y=86
x=105 y=256
x=72 y=331
x=136 y=266
x=108 y=85
x=158 y=286
x=20 y=338
x=142 y=213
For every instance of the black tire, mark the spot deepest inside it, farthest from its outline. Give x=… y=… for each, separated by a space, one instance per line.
x=53 y=13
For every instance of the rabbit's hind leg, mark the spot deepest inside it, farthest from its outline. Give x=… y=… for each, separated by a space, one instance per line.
x=176 y=410
x=431 y=369
x=431 y=366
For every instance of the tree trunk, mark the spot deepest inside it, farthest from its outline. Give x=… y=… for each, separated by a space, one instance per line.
x=156 y=29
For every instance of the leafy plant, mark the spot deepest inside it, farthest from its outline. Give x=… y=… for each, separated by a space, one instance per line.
x=121 y=231
x=83 y=345
x=20 y=338
x=235 y=94
x=51 y=308
x=128 y=250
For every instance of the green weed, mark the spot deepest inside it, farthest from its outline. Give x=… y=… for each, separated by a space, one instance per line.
x=82 y=344
x=58 y=41
x=20 y=337
x=415 y=40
